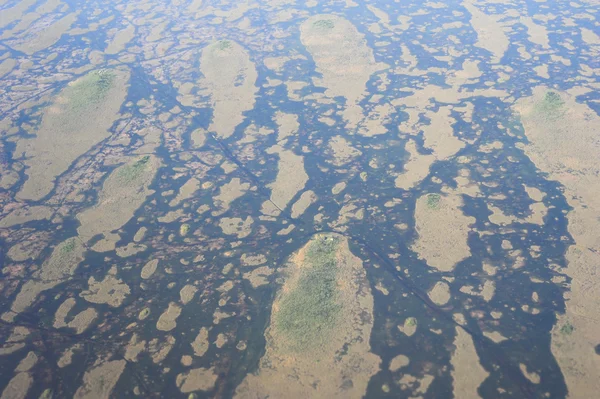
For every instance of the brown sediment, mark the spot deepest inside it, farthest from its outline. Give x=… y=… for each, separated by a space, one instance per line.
x=100 y=379
x=78 y=119
x=439 y=138
x=259 y=276
x=6 y=66
x=120 y=40
x=35 y=39
x=287 y=125
x=237 y=226
x=187 y=293
x=111 y=290
x=18 y=386
x=80 y=322
x=443 y=230
x=342 y=57
x=123 y=192
x=228 y=193
x=398 y=362
x=168 y=319
x=291 y=176
x=306 y=199
x=134 y=348
x=490 y=32
x=229 y=78
x=26 y=214
x=201 y=344
x=27 y=362
x=199 y=379
x=339 y=366
x=440 y=293
x=58 y=268
x=186 y=191
x=467 y=373
x=149 y=269
x=563 y=142
x=341 y=150
x=130 y=249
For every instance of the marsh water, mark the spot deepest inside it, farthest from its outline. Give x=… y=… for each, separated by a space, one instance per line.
x=299 y=199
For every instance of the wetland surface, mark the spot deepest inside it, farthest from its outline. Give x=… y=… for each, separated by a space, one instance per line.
x=286 y=199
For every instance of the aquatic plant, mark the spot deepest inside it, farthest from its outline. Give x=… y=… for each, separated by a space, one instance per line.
x=68 y=247
x=184 y=229
x=552 y=106
x=224 y=44
x=410 y=322
x=433 y=201
x=90 y=89
x=308 y=313
x=130 y=173
x=567 y=328
x=144 y=313
x=324 y=24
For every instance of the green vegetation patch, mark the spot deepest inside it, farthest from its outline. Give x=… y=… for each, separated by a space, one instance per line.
x=224 y=44
x=324 y=24
x=567 y=328
x=89 y=90
x=68 y=247
x=410 y=322
x=433 y=201
x=552 y=106
x=132 y=172
x=308 y=314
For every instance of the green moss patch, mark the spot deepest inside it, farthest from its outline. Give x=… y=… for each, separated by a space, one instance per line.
x=433 y=201
x=89 y=90
x=324 y=24
x=132 y=172
x=308 y=314
x=552 y=106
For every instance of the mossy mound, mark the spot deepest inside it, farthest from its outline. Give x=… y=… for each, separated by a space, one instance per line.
x=308 y=314
x=90 y=89
x=131 y=172
x=324 y=24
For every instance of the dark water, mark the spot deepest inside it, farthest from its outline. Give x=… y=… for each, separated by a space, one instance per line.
x=375 y=239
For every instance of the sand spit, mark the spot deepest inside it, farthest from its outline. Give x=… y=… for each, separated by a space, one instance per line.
x=318 y=347
x=467 y=373
x=78 y=119
x=123 y=192
x=342 y=57
x=230 y=79
x=443 y=230
x=563 y=142
x=58 y=268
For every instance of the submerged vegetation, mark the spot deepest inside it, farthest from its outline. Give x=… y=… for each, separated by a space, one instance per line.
x=567 y=328
x=90 y=89
x=308 y=313
x=68 y=246
x=551 y=107
x=130 y=173
x=324 y=24
x=433 y=201
x=224 y=44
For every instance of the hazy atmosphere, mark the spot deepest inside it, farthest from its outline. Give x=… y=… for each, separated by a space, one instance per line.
x=299 y=199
